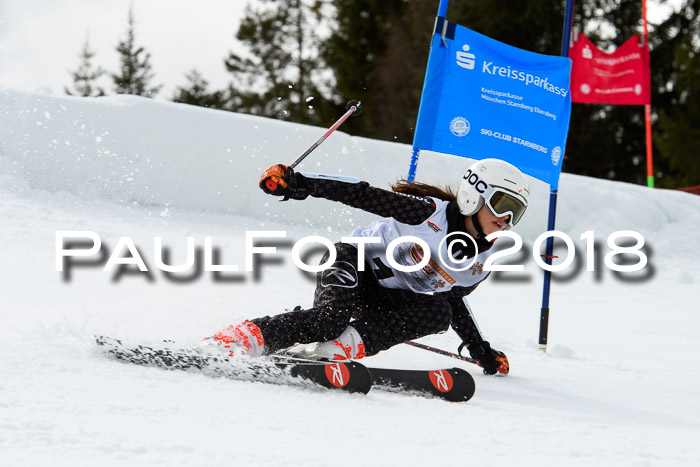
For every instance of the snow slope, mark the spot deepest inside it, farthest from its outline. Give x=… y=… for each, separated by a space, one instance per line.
x=618 y=385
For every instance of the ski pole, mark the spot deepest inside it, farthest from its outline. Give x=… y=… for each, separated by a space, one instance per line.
x=443 y=352
x=353 y=108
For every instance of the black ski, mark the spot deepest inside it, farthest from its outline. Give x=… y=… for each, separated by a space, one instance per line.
x=454 y=384
x=347 y=376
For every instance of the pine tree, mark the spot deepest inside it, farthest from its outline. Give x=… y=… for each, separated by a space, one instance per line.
x=378 y=50
x=379 y=59
x=281 y=75
x=609 y=141
x=85 y=77
x=135 y=67
x=197 y=92
x=677 y=66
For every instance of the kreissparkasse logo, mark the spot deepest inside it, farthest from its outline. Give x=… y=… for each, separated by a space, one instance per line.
x=465 y=59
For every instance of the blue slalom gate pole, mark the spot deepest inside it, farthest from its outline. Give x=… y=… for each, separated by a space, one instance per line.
x=442 y=8
x=549 y=248
x=442 y=13
x=414 y=164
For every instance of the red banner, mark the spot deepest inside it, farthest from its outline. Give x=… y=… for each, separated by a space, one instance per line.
x=622 y=77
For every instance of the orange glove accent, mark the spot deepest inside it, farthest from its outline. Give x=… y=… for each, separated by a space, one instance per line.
x=273 y=179
x=504 y=366
x=492 y=361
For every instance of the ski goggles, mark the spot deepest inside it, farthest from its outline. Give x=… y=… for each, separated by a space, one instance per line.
x=502 y=202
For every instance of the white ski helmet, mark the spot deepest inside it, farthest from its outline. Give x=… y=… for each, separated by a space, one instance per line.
x=498 y=185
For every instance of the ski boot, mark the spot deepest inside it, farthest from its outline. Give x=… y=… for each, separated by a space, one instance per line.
x=348 y=346
x=242 y=339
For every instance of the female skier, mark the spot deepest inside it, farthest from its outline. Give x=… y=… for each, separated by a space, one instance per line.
x=363 y=304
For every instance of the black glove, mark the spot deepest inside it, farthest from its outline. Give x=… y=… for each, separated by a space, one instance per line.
x=492 y=361
x=280 y=180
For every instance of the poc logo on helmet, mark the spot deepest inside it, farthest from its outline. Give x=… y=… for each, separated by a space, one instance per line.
x=474 y=180
x=466 y=59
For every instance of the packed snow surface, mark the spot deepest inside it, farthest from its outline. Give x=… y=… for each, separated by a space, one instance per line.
x=618 y=385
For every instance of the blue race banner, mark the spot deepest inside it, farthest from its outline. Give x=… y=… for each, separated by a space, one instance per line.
x=482 y=98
